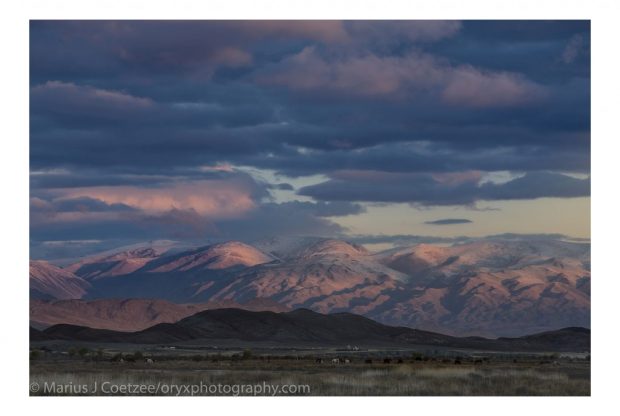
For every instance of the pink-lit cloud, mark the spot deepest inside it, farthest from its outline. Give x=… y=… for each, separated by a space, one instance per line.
x=394 y=76
x=212 y=198
x=358 y=75
x=472 y=87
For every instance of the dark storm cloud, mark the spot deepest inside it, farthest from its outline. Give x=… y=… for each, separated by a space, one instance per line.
x=449 y=221
x=87 y=178
x=199 y=48
x=150 y=104
x=80 y=204
x=289 y=219
x=537 y=185
x=522 y=46
x=89 y=219
x=324 y=209
x=434 y=190
x=403 y=157
x=131 y=96
x=136 y=176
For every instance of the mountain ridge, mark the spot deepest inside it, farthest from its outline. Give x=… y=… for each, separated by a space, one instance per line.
x=490 y=288
x=305 y=327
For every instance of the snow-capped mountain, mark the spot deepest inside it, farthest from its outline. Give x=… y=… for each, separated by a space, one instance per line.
x=324 y=276
x=51 y=282
x=487 y=287
x=121 y=261
x=213 y=257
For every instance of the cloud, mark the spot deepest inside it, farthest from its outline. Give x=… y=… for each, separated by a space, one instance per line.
x=70 y=100
x=325 y=209
x=212 y=198
x=470 y=86
x=573 y=49
x=288 y=219
x=197 y=49
x=372 y=75
x=179 y=223
x=140 y=125
x=200 y=48
x=281 y=186
x=76 y=211
x=366 y=75
x=430 y=190
x=403 y=240
x=537 y=185
x=80 y=204
x=264 y=220
x=373 y=95
x=327 y=31
x=388 y=32
x=449 y=221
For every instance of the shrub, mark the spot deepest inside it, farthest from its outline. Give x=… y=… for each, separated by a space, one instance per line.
x=116 y=357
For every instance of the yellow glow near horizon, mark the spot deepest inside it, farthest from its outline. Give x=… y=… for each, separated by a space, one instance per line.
x=569 y=216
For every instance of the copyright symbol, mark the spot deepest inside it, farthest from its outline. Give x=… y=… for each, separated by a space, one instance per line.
x=34 y=387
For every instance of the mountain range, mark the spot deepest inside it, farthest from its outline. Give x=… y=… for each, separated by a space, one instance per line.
x=303 y=327
x=128 y=314
x=489 y=287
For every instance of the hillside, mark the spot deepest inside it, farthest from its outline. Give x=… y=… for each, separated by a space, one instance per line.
x=303 y=327
x=127 y=314
x=51 y=282
x=490 y=287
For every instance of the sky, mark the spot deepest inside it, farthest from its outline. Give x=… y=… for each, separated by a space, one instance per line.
x=375 y=131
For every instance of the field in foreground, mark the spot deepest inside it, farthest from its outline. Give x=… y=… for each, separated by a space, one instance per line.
x=308 y=377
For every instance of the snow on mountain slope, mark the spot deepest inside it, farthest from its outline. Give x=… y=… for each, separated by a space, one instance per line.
x=488 y=287
x=425 y=258
x=324 y=275
x=121 y=261
x=213 y=257
x=51 y=282
x=478 y=288
x=332 y=249
x=285 y=247
x=492 y=287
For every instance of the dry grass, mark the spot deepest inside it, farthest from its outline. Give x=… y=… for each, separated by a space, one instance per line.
x=356 y=379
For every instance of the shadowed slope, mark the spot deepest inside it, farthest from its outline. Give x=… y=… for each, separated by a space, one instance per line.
x=304 y=327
